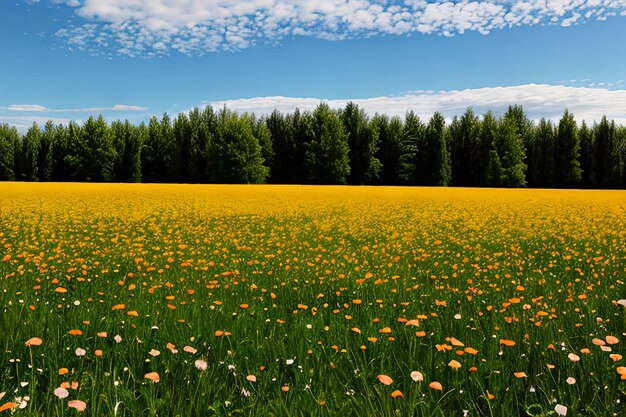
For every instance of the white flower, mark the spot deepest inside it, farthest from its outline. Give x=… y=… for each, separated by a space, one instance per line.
x=573 y=357
x=571 y=380
x=289 y=361
x=200 y=364
x=245 y=392
x=309 y=326
x=76 y=303
x=154 y=352
x=532 y=389
x=561 y=410
x=417 y=376
x=457 y=316
x=118 y=338
x=80 y=352
x=61 y=392
x=622 y=302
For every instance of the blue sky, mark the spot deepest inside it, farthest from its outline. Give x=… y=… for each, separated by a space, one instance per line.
x=67 y=59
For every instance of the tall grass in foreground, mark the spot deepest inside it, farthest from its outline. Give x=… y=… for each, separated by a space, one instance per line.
x=139 y=300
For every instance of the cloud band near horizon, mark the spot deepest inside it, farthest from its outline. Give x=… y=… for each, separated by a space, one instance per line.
x=538 y=100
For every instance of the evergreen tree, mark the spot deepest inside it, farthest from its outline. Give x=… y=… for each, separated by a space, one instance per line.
x=434 y=163
x=45 y=155
x=465 y=149
x=413 y=138
x=566 y=153
x=494 y=176
x=264 y=137
x=91 y=154
x=363 y=144
x=542 y=171
x=285 y=148
x=390 y=149
x=236 y=152
x=511 y=153
x=326 y=159
x=127 y=146
x=29 y=154
x=8 y=139
x=603 y=143
x=586 y=155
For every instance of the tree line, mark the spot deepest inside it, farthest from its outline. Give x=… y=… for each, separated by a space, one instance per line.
x=325 y=146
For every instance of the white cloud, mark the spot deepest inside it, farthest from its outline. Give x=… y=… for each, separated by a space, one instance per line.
x=154 y=27
x=43 y=109
x=538 y=100
x=23 y=123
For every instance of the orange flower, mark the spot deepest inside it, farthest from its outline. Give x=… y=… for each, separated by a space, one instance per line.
x=384 y=379
x=244 y=306
x=284 y=388
x=598 y=342
x=397 y=393
x=63 y=371
x=443 y=347
x=152 y=376
x=6 y=406
x=34 y=341
x=455 y=342
x=356 y=330
x=471 y=351
x=454 y=364
x=190 y=349
x=507 y=342
x=133 y=313
x=520 y=374
x=118 y=307
x=75 y=332
x=612 y=340
x=101 y=334
x=436 y=386
x=219 y=333
x=616 y=357
x=414 y=322
x=60 y=290
x=77 y=404
x=490 y=396
x=385 y=330
x=420 y=334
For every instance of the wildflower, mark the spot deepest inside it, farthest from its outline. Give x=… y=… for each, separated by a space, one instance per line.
x=384 y=379
x=436 y=386
x=560 y=410
x=80 y=352
x=153 y=376
x=154 y=353
x=417 y=376
x=34 y=341
x=61 y=392
x=570 y=380
x=201 y=364
x=397 y=393
x=77 y=404
x=118 y=339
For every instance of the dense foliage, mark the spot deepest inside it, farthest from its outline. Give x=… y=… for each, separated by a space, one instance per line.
x=325 y=146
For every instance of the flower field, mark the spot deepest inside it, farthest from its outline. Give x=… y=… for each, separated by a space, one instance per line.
x=183 y=300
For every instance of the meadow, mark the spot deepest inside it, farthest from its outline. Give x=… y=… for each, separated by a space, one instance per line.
x=189 y=300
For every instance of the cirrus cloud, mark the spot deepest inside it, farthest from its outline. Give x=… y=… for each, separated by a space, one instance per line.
x=194 y=27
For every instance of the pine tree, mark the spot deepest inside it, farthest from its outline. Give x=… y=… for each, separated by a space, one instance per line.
x=434 y=163
x=390 y=150
x=8 y=138
x=465 y=149
x=235 y=151
x=326 y=159
x=413 y=138
x=511 y=153
x=363 y=144
x=566 y=153
x=30 y=154
x=586 y=155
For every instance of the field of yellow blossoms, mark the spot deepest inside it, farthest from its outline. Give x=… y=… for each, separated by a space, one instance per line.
x=185 y=300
